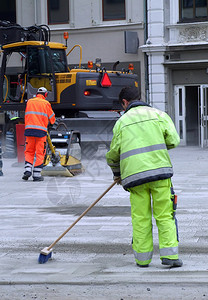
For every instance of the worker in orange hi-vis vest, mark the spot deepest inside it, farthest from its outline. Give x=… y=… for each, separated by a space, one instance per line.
x=38 y=115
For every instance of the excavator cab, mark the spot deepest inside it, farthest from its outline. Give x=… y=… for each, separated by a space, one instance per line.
x=38 y=64
x=43 y=63
x=19 y=70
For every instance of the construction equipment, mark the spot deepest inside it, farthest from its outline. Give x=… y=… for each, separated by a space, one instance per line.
x=86 y=97
x=46 y=252
x=63 y=153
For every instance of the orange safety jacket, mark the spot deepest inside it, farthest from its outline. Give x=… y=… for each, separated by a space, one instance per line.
x=38 y=114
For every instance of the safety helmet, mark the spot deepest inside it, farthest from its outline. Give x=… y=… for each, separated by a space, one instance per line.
x=43 y=91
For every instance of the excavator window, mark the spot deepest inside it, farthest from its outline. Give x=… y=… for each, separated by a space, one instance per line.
x=59 y=61
x=39 y=61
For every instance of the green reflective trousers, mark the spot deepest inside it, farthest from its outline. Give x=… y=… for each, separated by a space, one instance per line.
x=153 y=196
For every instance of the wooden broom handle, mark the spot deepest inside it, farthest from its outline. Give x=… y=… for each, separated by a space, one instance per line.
x=82 y=215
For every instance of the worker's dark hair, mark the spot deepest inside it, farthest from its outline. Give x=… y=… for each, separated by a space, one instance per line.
x=129 y=93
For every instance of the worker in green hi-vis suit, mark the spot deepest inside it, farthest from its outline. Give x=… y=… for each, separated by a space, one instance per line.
x=138 y=156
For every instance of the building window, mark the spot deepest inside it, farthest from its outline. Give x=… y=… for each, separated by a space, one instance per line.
x=114 y=10
x=58 y=12
x=193 y=10
x=8 y=11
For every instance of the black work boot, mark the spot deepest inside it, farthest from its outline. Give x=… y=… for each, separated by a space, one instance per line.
x=143 y=266
x=26 y=175
x=173 y=263
x=40 y=178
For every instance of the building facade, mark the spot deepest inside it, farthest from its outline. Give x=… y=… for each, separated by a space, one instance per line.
x=176 y=46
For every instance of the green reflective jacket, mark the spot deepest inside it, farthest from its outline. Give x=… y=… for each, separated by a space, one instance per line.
x=138 y=151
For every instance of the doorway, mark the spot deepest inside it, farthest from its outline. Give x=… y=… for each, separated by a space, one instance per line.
x=191 y=114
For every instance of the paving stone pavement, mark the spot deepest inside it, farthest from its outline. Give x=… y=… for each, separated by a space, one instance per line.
x=94 y=260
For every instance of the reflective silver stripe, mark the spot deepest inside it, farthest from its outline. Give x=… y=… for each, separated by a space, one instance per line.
x=36 y=174
x=28 y=167
x=147 y=174
x=169 y=251
x=143 y=256
x=37 y=171
x=35 y=127
x=143 y=150
x=51 y=116
x=36 y=113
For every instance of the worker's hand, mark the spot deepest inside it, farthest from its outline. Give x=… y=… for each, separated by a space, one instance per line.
x=117 y=179
x=53 y=126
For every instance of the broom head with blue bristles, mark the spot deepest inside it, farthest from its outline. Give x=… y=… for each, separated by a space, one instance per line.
x=45 y=255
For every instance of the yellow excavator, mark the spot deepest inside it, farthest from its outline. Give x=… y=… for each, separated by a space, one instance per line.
x=85 y=96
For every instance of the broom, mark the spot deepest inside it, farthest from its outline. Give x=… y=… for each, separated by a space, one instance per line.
x=46 y=253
